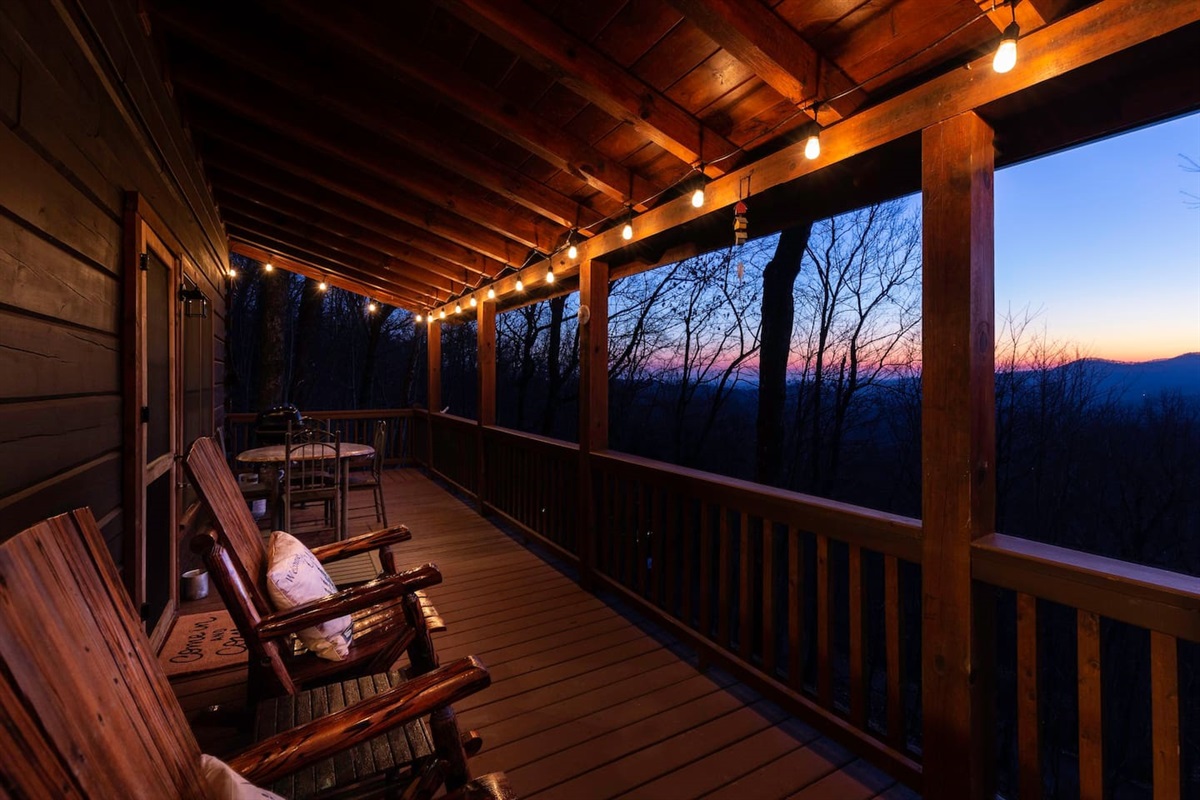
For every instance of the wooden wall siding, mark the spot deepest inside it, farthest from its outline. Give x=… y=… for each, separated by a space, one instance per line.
x=86 y=119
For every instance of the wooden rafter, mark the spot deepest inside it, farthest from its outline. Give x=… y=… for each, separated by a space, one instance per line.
x=1031 y=14
x=592 y=75
x=758 y=38
x=435 y=75
x=365 y=150
x=302 y=266
x=315 y=240
x=243 y=60
x=451 y=236
x=240 y=195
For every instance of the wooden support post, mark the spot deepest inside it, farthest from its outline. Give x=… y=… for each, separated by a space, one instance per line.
x=593 y=401
x=485 y=333
x=433 y=392
x=958 y=449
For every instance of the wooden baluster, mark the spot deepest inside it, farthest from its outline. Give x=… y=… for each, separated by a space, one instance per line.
x=659 y=544
x=725 y=566
x=1091 y=757
x=824 y=665
x=670 y=553
x=605 y=526
x=643 y=542
x=768 y=597
x=1029 y=764
x=895 y=669
x=687 y=540
x=745 y=590
x=706 y=565
x=1164 y=693
x=628 y=532
x=858 y=672
x=795 y=606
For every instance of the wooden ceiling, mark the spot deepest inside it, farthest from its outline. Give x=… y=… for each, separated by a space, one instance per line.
x=413 y=151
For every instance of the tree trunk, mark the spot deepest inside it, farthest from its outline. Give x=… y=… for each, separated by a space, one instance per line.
x=274 y=299
x=554 y=377
x=375 y=323
x=308 y=329
x=778 y=308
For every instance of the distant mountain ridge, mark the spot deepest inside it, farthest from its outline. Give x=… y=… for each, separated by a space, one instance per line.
x=1130 y=382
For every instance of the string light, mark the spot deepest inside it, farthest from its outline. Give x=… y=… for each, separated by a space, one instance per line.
x=572 y=250
x=520 y=285
x=812 y=146
x=550 y=275
x=474 y=302
x=458 y=308
x=269 y=267
x=698 y=195
x=322 y=286
x=371 y=307
x=442 y=314
x=1006 y=54
x=491 y=293
x=419 y=317
x=232 y=272
x=627 y=231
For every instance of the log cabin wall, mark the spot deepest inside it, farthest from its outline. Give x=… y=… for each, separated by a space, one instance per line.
x=87 y=120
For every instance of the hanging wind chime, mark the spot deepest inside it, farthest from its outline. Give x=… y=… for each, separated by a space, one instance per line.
x=741 y=225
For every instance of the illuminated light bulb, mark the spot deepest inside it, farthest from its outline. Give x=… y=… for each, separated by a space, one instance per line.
x=520 y=285
x=549 y=276
x=232 y=272
x=491 y=293
x=418 y=317
x=572 y=252
x=812 y=147
x=698 y=198
x=442 y=314
x=269 y=267
x=322 y=286
x=458 y=308
x=1006 y=54
x=627 y=231
x=371 y=308
x=474 y=302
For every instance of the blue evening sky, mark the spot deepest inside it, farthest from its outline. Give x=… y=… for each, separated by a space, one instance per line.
x=1101 y=244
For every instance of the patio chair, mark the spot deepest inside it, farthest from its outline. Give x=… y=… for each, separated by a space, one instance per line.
x=390 y=615
x=89 y=713
x=312 y=473
x=371 y=479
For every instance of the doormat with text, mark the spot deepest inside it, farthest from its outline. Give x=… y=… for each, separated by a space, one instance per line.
x=200 y=642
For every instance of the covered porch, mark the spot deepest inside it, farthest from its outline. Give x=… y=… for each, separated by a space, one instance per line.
x=671 y=632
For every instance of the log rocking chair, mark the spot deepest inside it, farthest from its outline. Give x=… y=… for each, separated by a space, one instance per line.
x=390 y=615
x=88 y=711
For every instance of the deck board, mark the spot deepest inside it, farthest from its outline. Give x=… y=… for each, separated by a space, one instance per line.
x=589 y=700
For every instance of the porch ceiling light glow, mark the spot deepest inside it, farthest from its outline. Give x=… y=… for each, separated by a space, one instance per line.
x=550 y=275
x=1006 y=54
x=520 y=285
x=323 y=286
x=442 y=314
x=458 y=308
x=812 y=146
x=269 y=267
x=474 y=302
x=371 y=307
x=418 y=317
x=491 y=295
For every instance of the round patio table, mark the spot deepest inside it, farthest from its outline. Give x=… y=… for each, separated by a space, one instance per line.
x=277 y=454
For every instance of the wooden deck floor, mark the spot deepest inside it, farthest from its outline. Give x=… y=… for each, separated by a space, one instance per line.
x=588 y=700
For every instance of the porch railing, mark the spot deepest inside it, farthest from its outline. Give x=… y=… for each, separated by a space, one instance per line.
x=354 y=426
x=818 y=603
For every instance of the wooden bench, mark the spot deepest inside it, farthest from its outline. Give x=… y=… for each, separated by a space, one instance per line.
x=88 y=712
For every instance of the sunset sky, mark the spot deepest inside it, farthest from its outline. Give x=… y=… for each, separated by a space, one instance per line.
x=1101 y=244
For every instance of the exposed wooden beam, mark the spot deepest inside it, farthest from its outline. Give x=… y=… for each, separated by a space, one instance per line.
x=352 y=28
x=583 y=69
x=366 y=151
x=265 y=234
x=237 y=195
x=302 y=266
x=335 y=248
x=756 y=36
x=1091 y=34
x=261 y=70
x=358 y=183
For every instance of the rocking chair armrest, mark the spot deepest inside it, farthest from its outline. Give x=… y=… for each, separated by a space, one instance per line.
x=321 y=738
x=355 y=598
x=372 y=540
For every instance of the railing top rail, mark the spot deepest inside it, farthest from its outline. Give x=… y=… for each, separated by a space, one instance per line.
x=1147 y=597
x=357 y=413
x=453 y=419
x=531 y=438
x=876 y=530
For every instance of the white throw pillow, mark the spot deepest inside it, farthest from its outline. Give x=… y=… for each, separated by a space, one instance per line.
x=222 y=783
x=296 y=577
